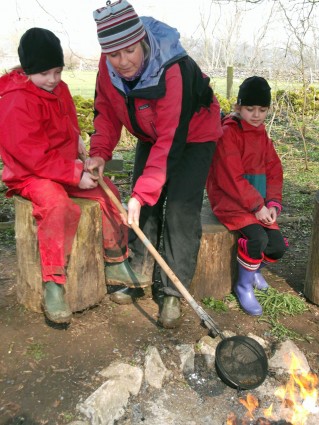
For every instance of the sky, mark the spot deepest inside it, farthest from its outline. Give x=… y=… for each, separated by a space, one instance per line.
x=72 y=20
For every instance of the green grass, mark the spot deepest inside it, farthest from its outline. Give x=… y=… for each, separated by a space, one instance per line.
x=83 y=83
x=80 y=82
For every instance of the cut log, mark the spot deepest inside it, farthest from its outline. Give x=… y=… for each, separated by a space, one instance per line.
x=311 y=290
x=85 y=285
x=216 y=268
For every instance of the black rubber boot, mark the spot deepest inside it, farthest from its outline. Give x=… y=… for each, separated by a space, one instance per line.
x=123 y=274
x=55 y=307
x=126 y=295
x=170 y=316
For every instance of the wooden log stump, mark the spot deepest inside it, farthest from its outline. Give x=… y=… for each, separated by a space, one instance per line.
x=85 y=285
x=311 y=290
x=216 y=268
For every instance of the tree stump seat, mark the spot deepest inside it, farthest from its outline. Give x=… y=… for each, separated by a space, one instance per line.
x=216 y=268
x=312 y=272
x=85 y=285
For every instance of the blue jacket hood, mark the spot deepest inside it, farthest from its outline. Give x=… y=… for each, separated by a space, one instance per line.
x=165 y=48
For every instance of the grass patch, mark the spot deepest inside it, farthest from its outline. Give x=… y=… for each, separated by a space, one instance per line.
x=275 y=303
x=36 y=351
x=216 y=305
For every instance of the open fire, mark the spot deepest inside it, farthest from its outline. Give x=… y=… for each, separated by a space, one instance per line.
x=298 y=398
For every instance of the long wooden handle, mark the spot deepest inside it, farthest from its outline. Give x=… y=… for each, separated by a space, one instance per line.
x=151 y=248
x=207 y=320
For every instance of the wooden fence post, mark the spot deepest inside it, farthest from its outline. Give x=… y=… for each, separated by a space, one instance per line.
x=312 y=274
x=230 y=81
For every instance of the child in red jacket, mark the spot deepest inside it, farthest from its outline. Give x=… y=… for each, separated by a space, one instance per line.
x=39 y=146
x=244 y=188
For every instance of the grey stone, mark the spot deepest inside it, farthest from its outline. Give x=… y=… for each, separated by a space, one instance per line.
x=187 y=356
x=155 y=370
x=207 y=347
x=281 y=361
x=108 y=402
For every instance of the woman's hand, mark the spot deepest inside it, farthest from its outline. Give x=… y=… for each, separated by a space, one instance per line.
x=95 y=163
x=264 y=216
x=133 y=211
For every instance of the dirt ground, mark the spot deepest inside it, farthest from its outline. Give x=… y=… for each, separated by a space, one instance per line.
x=46 y=371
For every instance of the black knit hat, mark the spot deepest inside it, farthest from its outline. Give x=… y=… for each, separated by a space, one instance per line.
x=254 y=91
x=40 y=50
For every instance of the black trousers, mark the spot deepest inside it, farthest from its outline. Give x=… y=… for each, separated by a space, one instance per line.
x=262 y=240
x=176 y=216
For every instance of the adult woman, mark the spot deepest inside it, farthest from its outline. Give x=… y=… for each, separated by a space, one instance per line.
x=149 y=84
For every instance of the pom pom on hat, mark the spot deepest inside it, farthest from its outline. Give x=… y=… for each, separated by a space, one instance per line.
x=40 y=50
x=118 y=26
x=254 y=91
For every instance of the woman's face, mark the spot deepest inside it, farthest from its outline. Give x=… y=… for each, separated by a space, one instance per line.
x=47 y=80
x=128 y=61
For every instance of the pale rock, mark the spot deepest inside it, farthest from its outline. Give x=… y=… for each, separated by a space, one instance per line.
x=107 y=404
x=155 y=370
x=187 y=356
x=282 y=359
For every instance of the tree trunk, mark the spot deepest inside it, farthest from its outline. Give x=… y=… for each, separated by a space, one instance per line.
x=85 y=285
x=216 y=268
x=312 y=274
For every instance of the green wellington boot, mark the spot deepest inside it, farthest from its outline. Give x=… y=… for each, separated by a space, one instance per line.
x=170 y=316
x=126 y=295
x=122 y=274
x=55 y=307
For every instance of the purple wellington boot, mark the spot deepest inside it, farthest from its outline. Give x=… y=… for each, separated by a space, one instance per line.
x=259 y=281
x=244 y=290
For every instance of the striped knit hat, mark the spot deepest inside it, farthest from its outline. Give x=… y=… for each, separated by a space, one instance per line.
x=118 y=26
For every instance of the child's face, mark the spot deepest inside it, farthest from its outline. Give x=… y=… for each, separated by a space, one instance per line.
x=47 y=80
x=254 y=115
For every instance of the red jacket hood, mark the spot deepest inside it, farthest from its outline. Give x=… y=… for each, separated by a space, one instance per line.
x=17 y=81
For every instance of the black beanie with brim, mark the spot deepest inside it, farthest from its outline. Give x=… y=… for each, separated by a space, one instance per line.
x=40 y=50
x=254 y=91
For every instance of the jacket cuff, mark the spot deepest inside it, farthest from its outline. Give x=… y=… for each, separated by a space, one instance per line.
x=136 y=196
x=276 y=205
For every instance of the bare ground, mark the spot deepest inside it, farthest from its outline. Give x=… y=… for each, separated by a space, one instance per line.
x=46 y=371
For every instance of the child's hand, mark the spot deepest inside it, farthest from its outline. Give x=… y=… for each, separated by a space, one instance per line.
x=88 y=181
x=264 y=216
x=273 y=213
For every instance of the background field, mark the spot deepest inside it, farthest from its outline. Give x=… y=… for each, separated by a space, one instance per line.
x=83 y=83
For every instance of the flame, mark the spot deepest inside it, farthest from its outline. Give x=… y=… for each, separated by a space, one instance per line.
x=299 y=396
x=251 y=404
x=231 y=419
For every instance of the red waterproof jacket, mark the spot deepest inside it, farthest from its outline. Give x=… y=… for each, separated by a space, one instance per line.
x=39 y=133
x=246 y=173
x=162 y=115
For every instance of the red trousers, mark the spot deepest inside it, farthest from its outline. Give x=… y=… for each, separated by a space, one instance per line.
x=57 y=218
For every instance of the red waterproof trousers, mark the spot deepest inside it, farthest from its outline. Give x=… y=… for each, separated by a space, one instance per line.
x=57 y=218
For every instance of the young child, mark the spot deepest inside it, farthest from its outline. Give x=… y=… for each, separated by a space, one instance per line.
x=39 y=146
x=244 y=187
